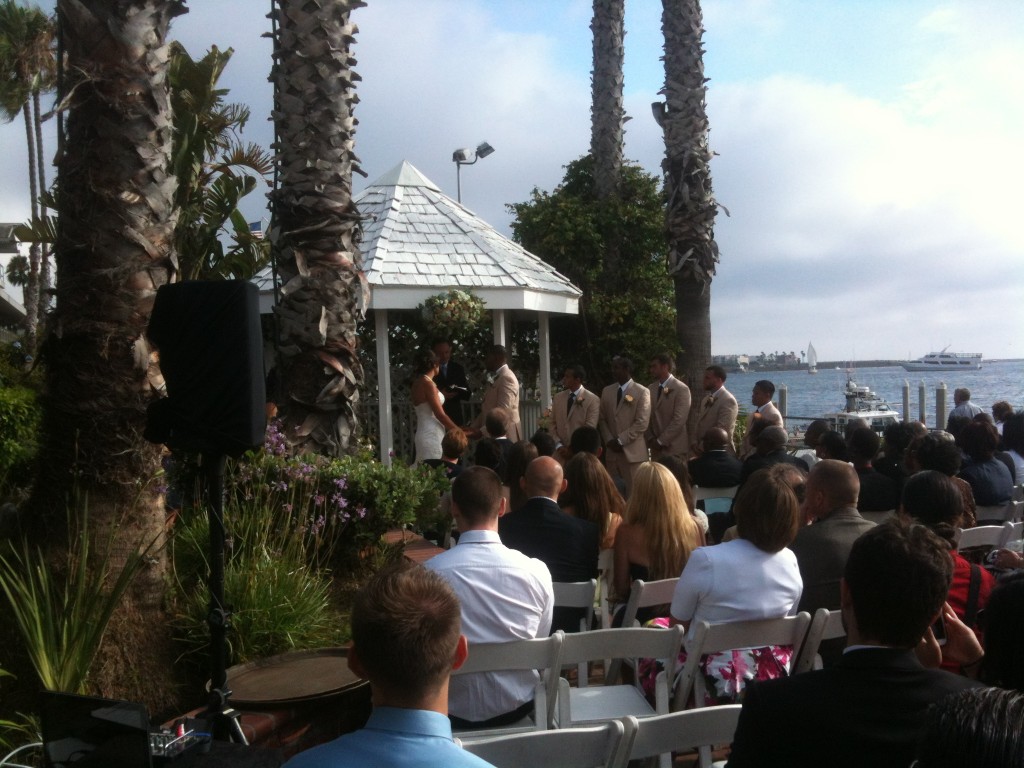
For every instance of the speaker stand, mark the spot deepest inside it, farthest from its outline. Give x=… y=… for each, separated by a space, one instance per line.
x=225 y=722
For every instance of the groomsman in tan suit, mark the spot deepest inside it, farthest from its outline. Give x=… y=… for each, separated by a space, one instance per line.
x=717 y=409
x=575 y=406
x=501 y=392
x=765 y=414
x=625 y=414
x=670 y=408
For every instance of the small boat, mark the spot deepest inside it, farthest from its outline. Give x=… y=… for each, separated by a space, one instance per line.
x=812 y=359
x=862 y=403
x=946 y=361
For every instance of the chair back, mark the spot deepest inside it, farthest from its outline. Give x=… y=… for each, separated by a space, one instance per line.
x=681 y=732
x=643 y=594
x=606 y=574
x=826 y=625
x=1000 y=513
x=577 y=594
x=598 y=746
x=701 y=493
x=540 y=654
x=981 y=536
x=726 y=636
x=1012 y=532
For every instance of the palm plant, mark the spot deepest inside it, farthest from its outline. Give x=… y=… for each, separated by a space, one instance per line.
x=608 y=116
x=315 y=228
x=28 y=69
x=215 y=170
x=690 y=216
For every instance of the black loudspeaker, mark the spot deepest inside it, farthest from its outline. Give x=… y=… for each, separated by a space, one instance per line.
x=211 y=356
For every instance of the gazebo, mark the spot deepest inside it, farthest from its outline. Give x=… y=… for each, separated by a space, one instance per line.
x=418 y=242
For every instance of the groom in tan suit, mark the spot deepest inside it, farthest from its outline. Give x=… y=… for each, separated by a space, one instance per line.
x=670 y=409
x=573 y=407
x=501 y=392
x=717 y=409
x=625 y=414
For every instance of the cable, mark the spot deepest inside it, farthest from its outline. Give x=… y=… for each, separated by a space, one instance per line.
x=5 y=760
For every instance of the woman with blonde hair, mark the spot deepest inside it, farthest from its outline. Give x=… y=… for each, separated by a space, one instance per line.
x=591 y=494
x=658 y=534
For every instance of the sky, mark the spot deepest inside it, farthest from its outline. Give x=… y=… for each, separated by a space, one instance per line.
x=869 y=153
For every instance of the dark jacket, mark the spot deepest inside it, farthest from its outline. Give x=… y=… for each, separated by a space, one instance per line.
x=715 y=469
x=455 y=376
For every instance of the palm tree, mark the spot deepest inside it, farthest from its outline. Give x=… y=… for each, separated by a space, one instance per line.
x=690 y=216
x=315 y=229
x=113 y=250
x=607 y=113
x=27 y=69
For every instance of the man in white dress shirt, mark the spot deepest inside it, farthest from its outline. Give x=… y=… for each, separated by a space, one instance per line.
x=765 y=414
x=505 y=596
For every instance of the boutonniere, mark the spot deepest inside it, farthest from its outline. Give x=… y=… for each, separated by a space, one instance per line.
x=628 y=399
x=579 y=399
x=666 y=391
x=490 y=378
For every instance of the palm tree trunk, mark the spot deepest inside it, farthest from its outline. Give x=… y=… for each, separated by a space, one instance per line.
x=112 y=253
x=316 y=229
x=608 y=116
x=690 y=215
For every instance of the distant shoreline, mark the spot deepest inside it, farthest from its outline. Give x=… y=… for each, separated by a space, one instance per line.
x=843 y=364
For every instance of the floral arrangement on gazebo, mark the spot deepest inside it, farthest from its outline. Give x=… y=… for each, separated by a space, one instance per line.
x=455 y=313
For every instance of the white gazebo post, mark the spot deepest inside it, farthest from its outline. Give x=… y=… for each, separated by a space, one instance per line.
x=500 y=323
x=545 y=360
x=387 y=438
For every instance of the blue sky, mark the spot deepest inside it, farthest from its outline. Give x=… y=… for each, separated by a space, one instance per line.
x=870 y=153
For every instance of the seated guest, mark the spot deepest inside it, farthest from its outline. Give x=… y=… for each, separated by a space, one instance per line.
x=770 y=448
x=677 y=467
x=453 y=445
x=591 y=495
x=658 y=534
x=937 y=451
x=586 y=440
x=1013 y=443
x=877 y=492
x=505 y=596
x=831 y=445
x=716 y=467
x=821 y=549
x=405 y=640
x=898 y=436
x=518 y=459
x=869 y=709
x=545 y=443
x=488 y=453
x=752 y=577
x=815 y=430
x=989 y=478
x=496 y=423
x=567 y=545
x=1001 y=411
x=931 y=499
x=977 y=728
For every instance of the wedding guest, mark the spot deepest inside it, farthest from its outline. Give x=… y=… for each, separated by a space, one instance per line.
x=591 y=495
x=990 y=479
x=937 y=451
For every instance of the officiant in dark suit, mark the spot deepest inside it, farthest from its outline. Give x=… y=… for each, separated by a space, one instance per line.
x=451 y=380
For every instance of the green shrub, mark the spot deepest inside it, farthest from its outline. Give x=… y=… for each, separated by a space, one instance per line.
x=19 y=425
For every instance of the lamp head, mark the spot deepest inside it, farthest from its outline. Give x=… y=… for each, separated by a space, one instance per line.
x=484 y=149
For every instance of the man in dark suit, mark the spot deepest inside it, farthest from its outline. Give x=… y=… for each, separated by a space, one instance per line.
x=770 y=449
x=878 y=493
x=540 y=529
x=870 y=708
x=451 y=380
x=716 y=467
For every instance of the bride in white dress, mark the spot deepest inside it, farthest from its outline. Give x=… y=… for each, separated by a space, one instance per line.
x=431 y=420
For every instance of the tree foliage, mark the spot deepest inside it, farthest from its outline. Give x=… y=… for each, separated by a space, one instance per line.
x=627 y=311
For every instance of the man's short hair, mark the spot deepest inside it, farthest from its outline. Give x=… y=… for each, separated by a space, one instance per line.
x=625 y=362
x=495 y=422
x=765 y=386
x=833 y=444
x=543 y=477
x=979 y=440
x=663 y=358
x=477 y=494
x=815 y=430
x=936 y=450
x=863 y=444
x=767 y=511
x=577 y=371
x=717 y=370
x=771 y=437
x=838 y=481
x=898 y=575
x=716 y=439
x=898 y=436
x=406 y=623
x=961 y=395
x=488 y=453
x=1001 y=410
x=454 y=443
x=500 y=354
x=545 y=442
x=585 y=440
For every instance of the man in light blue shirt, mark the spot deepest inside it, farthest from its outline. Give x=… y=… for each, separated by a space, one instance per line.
x=406 y=640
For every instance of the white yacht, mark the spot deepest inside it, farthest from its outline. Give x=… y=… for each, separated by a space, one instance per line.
x=862 y=403
x=946 y=361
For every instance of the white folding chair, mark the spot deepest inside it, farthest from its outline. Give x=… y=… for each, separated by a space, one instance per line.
x=578 y=594
x=722 y=496
x=825 y=625
x=727 y=636
x=643 y=594
x=588 y=704
x=699 y=729
x=879 y=517
x=1018 y=492
x=1011 y=532
x=606 y=575
x=999 y=513
x=981 y=536
x=598 y=746
x=541 y=655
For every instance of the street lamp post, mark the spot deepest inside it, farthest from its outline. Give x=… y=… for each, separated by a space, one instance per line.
x=462 y=157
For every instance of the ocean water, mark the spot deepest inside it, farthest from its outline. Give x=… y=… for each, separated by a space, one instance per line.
x=811 y=396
